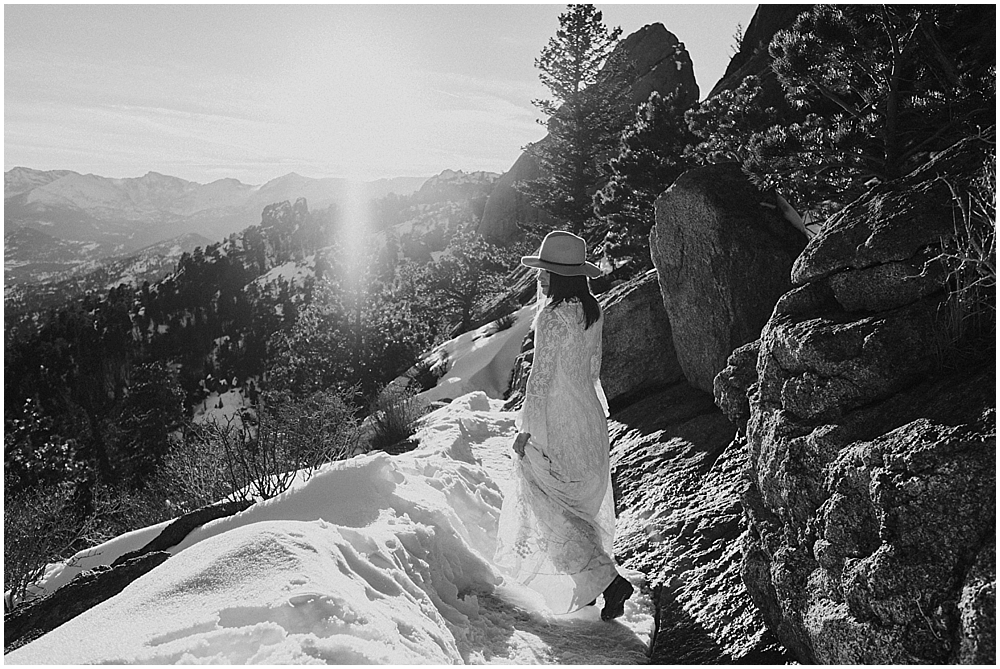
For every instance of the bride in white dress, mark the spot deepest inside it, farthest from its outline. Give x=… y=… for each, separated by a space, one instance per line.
x=557 y=524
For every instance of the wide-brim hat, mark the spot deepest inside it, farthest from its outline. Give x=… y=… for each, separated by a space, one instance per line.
x=563 y=253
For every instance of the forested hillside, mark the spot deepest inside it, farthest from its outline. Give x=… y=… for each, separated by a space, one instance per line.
x=102 y=388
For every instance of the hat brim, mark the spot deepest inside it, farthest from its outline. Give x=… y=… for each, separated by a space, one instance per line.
x=587 y=269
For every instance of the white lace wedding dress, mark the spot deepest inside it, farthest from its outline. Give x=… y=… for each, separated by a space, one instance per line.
x=557 y=523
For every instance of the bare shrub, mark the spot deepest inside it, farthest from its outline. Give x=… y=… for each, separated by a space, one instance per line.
x=194 y=473
x=429 y=370
x=505 y=322
x=261 y=450
x=318 y=429
x=970 y=258
x=394 y=415
x=117 y=509
x=44 y=525
x=38 y=529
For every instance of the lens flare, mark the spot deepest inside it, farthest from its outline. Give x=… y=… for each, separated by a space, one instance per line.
x=354 y=228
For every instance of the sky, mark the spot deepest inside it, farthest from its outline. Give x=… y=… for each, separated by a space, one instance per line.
x=254 y=91
x=376 y=559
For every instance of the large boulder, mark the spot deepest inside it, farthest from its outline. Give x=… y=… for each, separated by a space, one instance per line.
x=678 y=478
x=662 y=64
x=724 y=255
x=638 y=352
x=872 y=441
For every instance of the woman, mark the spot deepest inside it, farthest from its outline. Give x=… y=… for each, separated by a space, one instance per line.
x=557 y=524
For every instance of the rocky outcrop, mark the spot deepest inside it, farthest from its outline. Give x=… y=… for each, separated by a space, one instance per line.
x=661 y=64
x=506 y=207
x=638 y=354
x=872 y=443
x=678 y=479
x=723 y=254
x=753 y=57
x=519 y=375
x=732 y=384
x=27 y=623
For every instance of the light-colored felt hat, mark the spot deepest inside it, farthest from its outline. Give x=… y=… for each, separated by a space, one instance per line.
x=563 y=253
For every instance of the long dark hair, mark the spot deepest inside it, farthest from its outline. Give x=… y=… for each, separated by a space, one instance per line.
x=562 y=288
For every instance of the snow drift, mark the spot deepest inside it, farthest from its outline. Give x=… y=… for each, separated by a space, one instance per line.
x=377 y=559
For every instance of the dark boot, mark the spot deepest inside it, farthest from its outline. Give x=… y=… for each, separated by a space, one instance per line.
x=614 y=598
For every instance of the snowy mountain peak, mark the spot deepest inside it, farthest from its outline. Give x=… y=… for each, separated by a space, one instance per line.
x=291 y=177
x=159 y=177
x=20 y=180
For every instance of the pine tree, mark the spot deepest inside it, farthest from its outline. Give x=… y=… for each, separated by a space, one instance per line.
x=585 y=115
x=470 y=271
x=910 y=76
x=876 y=90
x=140 y=433
x=651 y=156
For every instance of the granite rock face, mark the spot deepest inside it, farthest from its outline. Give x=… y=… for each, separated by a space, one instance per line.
x=732 y=384
x=506 y=207
x=638 y=353
x=679 y=478
x=872 y=446
x=753 y=57
x=662 y=64
x=723 y=254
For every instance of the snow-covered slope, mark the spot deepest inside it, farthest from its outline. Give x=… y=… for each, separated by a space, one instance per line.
x=377 y=559
x=480 y=360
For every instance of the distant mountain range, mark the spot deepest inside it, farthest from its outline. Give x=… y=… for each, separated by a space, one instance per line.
x=59 y=271
x=57 y=220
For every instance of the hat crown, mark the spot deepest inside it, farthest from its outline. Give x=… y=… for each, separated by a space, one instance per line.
x=563 y=248
x=563 y=253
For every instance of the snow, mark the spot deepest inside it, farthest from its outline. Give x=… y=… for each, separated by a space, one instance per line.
x=209 y=411
x=376 y=559
x=294 y=272
x=480 y=362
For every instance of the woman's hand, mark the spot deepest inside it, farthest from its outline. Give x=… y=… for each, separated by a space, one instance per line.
x=519 y=442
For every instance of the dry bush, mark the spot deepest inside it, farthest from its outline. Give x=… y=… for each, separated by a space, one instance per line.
x=258 y=452
x=38 y=529
x=429 y=370
x=42 y=525
x=504 y=322
x=194 y=473
x=970 y=258
x=394 y=415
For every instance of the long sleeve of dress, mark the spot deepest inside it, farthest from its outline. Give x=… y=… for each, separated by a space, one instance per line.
x=595 y=374
x=549 y=328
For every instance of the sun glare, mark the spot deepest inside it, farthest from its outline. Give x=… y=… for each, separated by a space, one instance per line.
x=354 y=231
